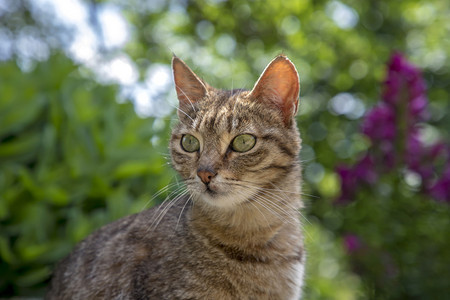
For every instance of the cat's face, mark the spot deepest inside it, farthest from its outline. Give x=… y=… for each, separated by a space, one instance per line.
x=229 y=145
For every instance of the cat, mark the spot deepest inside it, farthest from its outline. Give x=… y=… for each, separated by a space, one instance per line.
x=236 y=231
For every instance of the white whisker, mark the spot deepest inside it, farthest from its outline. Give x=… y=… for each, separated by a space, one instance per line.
x=182 y=210
x=272 y=207
x=161 y=191
x=182 y=111
x=277 y=202
x=262 y=214
x=165 y=210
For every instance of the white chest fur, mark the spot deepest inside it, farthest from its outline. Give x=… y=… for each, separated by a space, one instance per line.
x=298 y=273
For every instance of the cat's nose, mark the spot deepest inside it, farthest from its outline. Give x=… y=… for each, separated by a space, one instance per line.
x=206 y=175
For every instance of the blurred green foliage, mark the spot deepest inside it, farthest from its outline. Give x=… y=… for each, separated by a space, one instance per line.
x=402 y=250
x=73 y=157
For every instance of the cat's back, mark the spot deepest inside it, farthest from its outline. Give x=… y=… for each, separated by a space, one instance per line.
x=119 y=259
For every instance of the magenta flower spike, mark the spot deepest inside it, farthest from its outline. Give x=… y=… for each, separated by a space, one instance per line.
x=405 y=91
x=392 y=127
x=404 y=82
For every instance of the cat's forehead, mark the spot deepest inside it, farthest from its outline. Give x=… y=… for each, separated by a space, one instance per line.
x=228 y=113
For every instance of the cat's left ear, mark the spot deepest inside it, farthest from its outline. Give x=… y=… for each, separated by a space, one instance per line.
x=279 y=86
x=190 y=88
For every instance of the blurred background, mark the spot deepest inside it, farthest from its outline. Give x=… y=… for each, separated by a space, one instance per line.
x=87 y=101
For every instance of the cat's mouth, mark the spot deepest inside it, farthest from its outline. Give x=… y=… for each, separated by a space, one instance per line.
x=221 y=194
x=210 y=192
x=211 y=189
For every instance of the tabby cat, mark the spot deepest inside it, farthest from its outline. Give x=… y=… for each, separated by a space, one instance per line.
x=236 y=232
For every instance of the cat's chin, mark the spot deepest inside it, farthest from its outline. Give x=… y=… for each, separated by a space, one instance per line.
x=226 y=198
x=219 y=200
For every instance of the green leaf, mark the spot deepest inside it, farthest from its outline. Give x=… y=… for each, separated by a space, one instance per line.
x=15 y=116
x=33 y=277
x=132 y=169
x=6 y=253
x=56 y=195
x=23 y=146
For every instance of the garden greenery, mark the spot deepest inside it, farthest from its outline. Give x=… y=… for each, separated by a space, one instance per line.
x=374 y=117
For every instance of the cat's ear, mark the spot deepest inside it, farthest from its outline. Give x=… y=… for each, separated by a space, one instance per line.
x=190 y=88
x=279 y=86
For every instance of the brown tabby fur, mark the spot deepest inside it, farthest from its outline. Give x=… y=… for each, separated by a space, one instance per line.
x=237 y=237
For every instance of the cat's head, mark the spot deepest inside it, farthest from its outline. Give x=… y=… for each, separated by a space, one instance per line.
x=230 y=145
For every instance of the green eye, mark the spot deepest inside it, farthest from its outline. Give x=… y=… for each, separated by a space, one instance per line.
x=189 y=143
x=243 y=143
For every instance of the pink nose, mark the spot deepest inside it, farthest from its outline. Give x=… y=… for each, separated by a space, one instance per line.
x=206 y=175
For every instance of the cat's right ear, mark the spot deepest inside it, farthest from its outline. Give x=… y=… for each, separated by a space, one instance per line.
x=190 y=88
x=279 y=86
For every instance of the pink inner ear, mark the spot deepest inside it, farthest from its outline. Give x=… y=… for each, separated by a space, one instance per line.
x=188 y=86
x=279 y=85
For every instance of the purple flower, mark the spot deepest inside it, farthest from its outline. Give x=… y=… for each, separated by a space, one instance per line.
x=352 y=243
x=386 y=155
x=441 y=189
x=379 y=124
x=404 y=82
x=415 y=157
x=364 y=170
x=426 y=161
x=348 y=183
x=404 y=94
x=440 y=150
x=353 y=177
x=417 y=108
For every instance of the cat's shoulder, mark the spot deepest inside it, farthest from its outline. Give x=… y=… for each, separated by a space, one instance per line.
x=162 y=217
